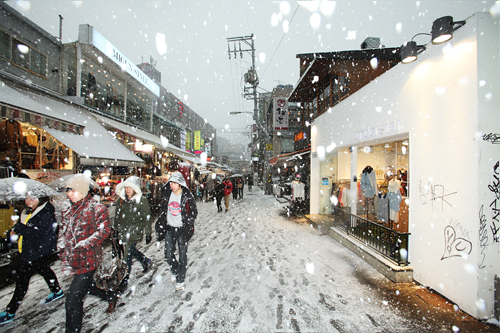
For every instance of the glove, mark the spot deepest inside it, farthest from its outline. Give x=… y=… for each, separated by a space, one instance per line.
x=148 y=239
x=187 y=233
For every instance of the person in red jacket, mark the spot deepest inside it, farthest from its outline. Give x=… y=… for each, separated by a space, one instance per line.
x=84 y=226
x=228 y=188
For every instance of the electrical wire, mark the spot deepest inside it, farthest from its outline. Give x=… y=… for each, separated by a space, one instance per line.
x=277 y=47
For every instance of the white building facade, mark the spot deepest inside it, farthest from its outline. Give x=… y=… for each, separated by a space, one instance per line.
x=438 y=119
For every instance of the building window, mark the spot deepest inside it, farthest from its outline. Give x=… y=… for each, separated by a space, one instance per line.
x=20 y=54
x=23 y=55
x=38 y=63
x=5 y=41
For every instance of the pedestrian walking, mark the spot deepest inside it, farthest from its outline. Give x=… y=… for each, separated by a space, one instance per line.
x=228 y=188
x=132 y=221
x=250 y=183
x=179 y=207
x=235 y=188
x=84 y=226
x=37 y=238
x=219 y=193
x=210 y=187
x=241 y=186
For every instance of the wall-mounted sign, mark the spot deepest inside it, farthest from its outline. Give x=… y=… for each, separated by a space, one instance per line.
x=300 y=136
x=280 y=107
x=269 y=146
x=197 y=140
x=371 y=132
x=208 y=148
x=109 y=50
x=324 y=181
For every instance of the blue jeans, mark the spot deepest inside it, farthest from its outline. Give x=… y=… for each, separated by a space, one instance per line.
x=174 y=238
x=134 y=253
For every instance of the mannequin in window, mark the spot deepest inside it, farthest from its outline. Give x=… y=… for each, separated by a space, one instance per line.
x=368 y=185
x=394 y=196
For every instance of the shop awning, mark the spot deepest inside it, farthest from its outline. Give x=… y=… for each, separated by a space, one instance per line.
x=290 y=156
x=160 y=143
x=25 y=106
x=91 y=140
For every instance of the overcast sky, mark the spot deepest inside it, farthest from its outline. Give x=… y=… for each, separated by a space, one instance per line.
x=188 y=38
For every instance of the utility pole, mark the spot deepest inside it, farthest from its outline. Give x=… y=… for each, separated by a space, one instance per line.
x=252 y=79
x=250 y=76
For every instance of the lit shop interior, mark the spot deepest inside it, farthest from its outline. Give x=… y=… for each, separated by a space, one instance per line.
x=381 y=180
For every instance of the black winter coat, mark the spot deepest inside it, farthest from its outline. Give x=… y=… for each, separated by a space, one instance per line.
x=189 y=211
x=39 y=234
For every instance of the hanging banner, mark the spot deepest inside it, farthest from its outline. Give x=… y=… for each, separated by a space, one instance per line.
x=188 y=141
x=280 y=107
x=197 y=140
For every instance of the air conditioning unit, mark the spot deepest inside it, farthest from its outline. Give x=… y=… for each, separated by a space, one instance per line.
x=371 y=43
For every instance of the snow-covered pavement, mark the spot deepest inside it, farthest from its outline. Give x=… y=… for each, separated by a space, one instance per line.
x=251 y=270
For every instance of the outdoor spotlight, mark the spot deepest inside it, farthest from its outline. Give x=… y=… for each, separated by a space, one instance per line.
x=408 y=52
x=442 y=29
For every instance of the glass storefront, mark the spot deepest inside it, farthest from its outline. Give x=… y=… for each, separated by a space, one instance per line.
x=381 y=180
x=40 y=150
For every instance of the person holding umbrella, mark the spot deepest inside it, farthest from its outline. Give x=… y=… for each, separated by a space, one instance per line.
x=37 y=237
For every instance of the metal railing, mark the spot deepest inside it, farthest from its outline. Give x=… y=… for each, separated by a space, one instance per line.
x=388 y=242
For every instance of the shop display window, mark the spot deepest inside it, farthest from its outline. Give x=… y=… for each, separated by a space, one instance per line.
x=381 y=178
x=40 y=150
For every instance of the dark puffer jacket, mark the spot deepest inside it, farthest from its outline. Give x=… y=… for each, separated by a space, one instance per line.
x=189 y=211
x=39 y=233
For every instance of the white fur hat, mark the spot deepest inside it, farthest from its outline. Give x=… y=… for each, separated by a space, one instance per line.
x=133 y=182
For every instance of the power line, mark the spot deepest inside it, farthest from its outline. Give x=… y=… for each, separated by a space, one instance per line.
x=277 y=47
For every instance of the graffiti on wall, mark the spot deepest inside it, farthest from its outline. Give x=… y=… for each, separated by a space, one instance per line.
x=492 y=137
x=456 y=243
x=434 y=195
x=494 y=187
x=493 y=226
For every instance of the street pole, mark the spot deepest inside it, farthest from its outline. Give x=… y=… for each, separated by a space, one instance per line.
x=252 y=79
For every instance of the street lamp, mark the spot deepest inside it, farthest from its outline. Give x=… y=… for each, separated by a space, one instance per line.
x=239 y=112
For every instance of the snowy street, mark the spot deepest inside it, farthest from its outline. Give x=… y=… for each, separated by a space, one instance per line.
x=252 y=270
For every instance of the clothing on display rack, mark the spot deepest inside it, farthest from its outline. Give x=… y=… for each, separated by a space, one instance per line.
x=395 y=198
x=298 y=190
x=383 y=208
x=11 y=134
x=341 y=191
x=368 y=182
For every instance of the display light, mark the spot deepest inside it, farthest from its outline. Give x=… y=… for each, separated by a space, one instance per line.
x=442 y=31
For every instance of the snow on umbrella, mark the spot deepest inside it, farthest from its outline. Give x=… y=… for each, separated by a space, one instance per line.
x=237 y=175
x=19 y=188
x=60 y=184
x=202 y=172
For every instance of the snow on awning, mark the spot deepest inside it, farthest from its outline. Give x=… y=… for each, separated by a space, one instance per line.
x=26 y=106
x=160 y=143
x=95 y=142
